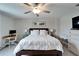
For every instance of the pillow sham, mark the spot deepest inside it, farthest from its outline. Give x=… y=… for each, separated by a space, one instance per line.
x=35 y=32
x=43 y=32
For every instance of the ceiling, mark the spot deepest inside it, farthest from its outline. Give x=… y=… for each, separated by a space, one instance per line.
x=57 y=10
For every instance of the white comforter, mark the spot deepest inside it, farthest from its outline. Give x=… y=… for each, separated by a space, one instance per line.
x=39 y=43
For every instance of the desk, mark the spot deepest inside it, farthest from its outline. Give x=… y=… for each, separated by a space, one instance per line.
x=10 y=38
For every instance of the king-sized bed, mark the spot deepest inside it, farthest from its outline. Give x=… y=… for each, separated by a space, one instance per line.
x=39 y=43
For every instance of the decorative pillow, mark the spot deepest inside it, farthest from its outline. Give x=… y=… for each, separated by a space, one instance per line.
x=35 y=32
x=43 y=32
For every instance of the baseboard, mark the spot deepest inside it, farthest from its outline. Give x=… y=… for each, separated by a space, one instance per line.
x=73 y=52
x=3 y=47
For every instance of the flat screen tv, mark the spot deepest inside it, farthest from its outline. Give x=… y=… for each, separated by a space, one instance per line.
x=75 y=22
x=12 y=31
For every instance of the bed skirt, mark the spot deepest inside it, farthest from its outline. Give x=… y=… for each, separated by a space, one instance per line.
x=39 y=53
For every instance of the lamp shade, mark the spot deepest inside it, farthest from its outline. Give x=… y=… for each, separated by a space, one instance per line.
x=51 y=30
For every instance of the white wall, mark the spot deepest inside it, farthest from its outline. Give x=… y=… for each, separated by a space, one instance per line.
x=0 y=26
x=62 y=25
x=22 y=24
x=9 y=23
x=6 y=24
x=66 y=24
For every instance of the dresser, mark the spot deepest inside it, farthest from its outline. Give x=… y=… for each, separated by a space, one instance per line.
x=73 y=40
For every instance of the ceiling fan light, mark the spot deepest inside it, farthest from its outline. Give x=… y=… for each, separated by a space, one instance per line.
x=36 y=10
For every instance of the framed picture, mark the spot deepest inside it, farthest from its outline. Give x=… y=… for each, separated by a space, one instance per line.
x=40 y=23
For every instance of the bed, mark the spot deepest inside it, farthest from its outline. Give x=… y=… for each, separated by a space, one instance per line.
x=39 y=45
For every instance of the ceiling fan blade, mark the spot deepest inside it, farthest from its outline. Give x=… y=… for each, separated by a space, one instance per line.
x=77 y=5
x=27 y=12
x=46 y=11
x=35 y=4
x=27 y=4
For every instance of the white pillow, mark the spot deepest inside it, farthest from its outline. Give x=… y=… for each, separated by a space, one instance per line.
x=35 y=32
x=43 y=32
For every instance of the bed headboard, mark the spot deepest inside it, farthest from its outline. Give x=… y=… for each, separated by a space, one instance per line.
x=39 y=29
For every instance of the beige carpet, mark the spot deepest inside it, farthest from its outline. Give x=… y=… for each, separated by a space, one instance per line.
x=9 y=51
x=67 y=52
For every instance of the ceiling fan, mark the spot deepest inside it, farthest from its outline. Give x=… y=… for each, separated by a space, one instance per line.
x=36 y=8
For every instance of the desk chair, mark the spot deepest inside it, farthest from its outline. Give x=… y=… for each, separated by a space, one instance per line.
x=11 y=38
